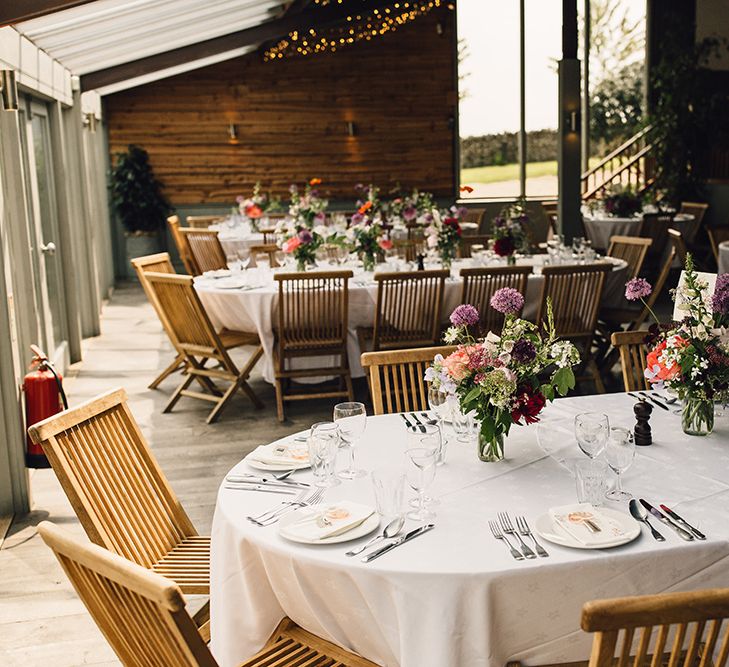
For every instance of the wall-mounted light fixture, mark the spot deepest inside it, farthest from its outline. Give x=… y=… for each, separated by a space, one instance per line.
x=8 y=90
x=90 y=121
x=232 y=134
x=572 y=122
x=439 y=28
x=351 y=129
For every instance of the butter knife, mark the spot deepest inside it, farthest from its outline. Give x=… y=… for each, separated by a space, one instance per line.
x=654 y=400
x=405 y=419
x=697 y=533
x=254 y=479
x=260 y=487
x=401 y=540
x=683 y=534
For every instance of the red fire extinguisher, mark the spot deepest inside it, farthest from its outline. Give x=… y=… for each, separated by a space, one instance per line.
x=44 y=397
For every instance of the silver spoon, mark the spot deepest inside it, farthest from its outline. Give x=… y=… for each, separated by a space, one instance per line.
x=391 y=530
x=639 y=514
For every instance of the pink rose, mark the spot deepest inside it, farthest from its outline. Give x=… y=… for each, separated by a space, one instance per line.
x=456 y=364
x=291 y=245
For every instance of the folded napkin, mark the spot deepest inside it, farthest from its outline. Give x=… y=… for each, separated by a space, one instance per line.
x=322 y=521
x=281 y=454
x=572 y=518
x=232 y=283
x=218 y=273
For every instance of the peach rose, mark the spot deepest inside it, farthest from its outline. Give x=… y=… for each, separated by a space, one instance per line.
x=291 y=245
x=456 y=364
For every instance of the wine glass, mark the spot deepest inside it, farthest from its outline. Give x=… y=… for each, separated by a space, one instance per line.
x=323 y=445
x=438 y=403
x=592 y=430
x=352 y=420
x=244 y=257
x=420 y=463
x=619 y=455
x=263 y=261
x=429 y=437
x=321 y=257
x=280 y=258
x=233 y=263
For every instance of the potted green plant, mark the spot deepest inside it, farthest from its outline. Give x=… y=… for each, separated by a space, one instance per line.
x=138 y=202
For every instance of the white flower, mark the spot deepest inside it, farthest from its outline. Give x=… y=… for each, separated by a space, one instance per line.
x=451 y=335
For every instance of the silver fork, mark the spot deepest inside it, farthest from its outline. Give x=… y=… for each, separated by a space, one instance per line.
x=508 y=528
x=275 y=510
x=313 y=499
x=496 y=531
x=523 y=526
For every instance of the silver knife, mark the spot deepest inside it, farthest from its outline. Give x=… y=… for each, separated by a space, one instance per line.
x=654 y=400
x=260 y=487
x=684 y=534
x=253 y=479
x=697 y=533
x=388 y=547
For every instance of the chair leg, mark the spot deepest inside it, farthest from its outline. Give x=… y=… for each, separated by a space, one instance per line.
x=245 y=374
x=279 y=400
x=348 y=382
x=595 y=371
x=175 y=364
x=178 y=393
x=215 y=412
x=202 y=621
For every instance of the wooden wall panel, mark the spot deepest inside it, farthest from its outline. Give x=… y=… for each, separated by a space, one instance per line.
x=292 y=114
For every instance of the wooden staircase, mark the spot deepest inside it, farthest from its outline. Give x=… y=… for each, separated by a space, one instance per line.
x=630 y=164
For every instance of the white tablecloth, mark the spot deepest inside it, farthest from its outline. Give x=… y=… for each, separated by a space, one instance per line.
x=599 y=228
x=724 y=257
x=455 y=597
x=255 y=309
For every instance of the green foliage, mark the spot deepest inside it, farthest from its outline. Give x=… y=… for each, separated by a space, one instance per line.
x=136 y=195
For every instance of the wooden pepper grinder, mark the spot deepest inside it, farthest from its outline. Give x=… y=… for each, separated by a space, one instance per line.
x=642 y=430
x=420 y=259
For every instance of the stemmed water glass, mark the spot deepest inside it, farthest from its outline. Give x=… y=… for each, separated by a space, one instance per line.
x=323 y=445
x=244 y=257
x=233 y=263
x=592 y=430
x=263 y=261
x=352 y=419
x=619 y=455
x=438 y=403
x=430 y=437
x=420 y=463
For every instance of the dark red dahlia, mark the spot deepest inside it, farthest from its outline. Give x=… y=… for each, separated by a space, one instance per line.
x=504 y=247
x=529 y=403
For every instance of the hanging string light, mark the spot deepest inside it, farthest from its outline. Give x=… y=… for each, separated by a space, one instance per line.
x=358 y=26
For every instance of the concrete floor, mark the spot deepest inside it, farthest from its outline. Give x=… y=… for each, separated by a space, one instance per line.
x=41 y=620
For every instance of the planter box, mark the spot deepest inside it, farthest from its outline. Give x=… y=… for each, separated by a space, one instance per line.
x=139 y=245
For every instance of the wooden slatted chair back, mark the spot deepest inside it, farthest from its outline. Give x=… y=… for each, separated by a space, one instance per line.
x=690 y=228
x=173 y=222
x=633 y=350
x=575 y=292
x=679 y=245
x=479 y=285
x=407 y=248
x=115 y=485
x=205 y=249
x=158 y=263
x=269 y=248
x=396 y=378
x=467 y=242
x=655 y=227
x=201 y=221
x=657 y=289
x=269 y=235
x=409 y=309
x=632 y=249
x=186 y=315
x=313 y=310
x=667 y=629
x=717 y=235
x=141 y=613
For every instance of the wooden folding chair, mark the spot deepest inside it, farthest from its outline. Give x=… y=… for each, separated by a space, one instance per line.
x=666 y=629
x=575 y=292
x=198 y=341
x=698 y=211
x=467 y=243
x=313 y=313
x=173 y=222
x=159 y=263
x=143 y=617
x=633 y=350
x=396 y=378
x=205 y=249
x=269 y=235
x=202 y=221
x=408 y=311
x=679 y=245
x=717 y=235
x=269 y=248
x=632 y=249
x=479 y=285
x=655 y=227
x=119 y=493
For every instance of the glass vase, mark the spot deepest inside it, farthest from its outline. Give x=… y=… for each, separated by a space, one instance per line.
x=300 y=264
x=490 y=450
x=697 y=417
x=368 y=261
x=511 y=260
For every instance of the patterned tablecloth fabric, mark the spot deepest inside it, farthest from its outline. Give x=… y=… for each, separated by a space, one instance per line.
x=455 y=597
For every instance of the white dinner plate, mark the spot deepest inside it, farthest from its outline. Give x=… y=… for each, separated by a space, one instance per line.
x=546 y=528
x=258 y=465
x=370 y=524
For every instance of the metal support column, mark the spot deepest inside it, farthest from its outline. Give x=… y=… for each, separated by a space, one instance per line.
x=522 y=103
x=586 y=89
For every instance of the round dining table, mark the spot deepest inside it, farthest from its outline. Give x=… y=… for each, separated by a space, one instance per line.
x=455 y=597
x=252 y=306
x=724 y=257
x=600 y=227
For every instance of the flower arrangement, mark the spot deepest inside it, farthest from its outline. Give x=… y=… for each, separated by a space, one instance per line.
x=415 y=207
x=254 y=207
x=368 y=204
x=500 y=378
x=444 y=233
x=309 y=208
x=691 y=357
x=622 y=202
x=509 y=231
x=366 y=237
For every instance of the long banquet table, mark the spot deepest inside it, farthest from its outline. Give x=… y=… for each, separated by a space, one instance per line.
x=455 y=597
x=254 y=309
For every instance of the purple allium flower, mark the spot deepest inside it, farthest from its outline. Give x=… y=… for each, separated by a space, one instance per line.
x=523 y=351
x=465 y=315
x=720 y=298
x=409 y=213
x=305 y=236
x=499 y=221
x=428 y=218
x=320 y=217
x=507 y=300
x=357 y=218
x=637 y=288
x=462 y=212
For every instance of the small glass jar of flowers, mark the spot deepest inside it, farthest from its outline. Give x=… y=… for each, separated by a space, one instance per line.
x=444 y=233
x=622 y=202
x=503 y=379
x=510 y=233
x=308 y=208
x=690 y=358
x=366 y=237
x=253 y=208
